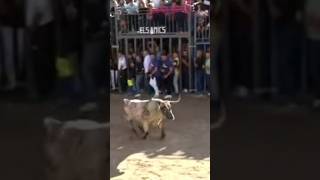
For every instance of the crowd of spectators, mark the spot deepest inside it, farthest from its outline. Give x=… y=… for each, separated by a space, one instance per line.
x=156 y=71
x=161 y=12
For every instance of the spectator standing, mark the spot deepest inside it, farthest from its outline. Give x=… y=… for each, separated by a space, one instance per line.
x=122 y=68
x=313 y=47
x=114 y=73
x=146 y=65
x=7 y=41
x=207 y=70
x=285 y=46
x=155 y=76
x=176 y=64
x=200 y=71
x=40 y=22
x=131 y=75
x=167 y=73
x=185 y=71
x=139 y=73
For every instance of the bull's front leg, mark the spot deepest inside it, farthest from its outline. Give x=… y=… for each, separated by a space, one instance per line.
x=163 y=133
x=132 y=127
x=146 y=130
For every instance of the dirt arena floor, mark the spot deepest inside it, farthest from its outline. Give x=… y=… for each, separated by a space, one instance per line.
x=183 y=154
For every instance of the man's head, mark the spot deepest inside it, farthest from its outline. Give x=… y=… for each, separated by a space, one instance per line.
x=164 y=55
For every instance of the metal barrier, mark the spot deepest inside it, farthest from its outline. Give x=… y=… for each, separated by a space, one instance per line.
x=166 y=26
x=165 y=20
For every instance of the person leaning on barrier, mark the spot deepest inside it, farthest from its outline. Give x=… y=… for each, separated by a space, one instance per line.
x=167 y=73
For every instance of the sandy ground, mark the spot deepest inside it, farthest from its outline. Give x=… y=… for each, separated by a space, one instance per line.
x=183 y=154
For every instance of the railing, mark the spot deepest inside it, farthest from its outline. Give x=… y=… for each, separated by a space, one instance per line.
x=164 y=20
x=201 y=28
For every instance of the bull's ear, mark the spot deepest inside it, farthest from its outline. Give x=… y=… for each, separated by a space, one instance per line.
x=52 y=125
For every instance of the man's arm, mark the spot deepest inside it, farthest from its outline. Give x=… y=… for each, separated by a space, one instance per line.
x=169 y=73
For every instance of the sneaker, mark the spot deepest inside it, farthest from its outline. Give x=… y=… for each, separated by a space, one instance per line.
x=137 y=95
x=88 y=107
x=185 y=90
x=168 y=97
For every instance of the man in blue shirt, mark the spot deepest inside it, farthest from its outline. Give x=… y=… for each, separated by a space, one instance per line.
x=166 y=73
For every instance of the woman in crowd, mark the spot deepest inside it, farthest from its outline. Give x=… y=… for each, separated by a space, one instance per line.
x=207 y=70
x=185 y=71
x=199 y=67
x=167 y=73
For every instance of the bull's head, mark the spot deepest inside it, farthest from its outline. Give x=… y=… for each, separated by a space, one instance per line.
x=166 y=108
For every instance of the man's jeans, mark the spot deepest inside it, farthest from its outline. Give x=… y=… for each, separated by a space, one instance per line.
x=139 y=82
x=313 y=48
x=93 y=56
x=200 y=80
x=285 y=58
x=7 y=36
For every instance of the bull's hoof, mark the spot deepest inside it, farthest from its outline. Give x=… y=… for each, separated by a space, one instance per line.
x=162 y=136
x=145 y=135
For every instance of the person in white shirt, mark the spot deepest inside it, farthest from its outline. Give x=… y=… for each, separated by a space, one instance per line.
x=122 y=69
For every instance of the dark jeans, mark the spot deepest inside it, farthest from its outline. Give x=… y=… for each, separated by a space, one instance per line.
x=185 y=79
x=43 y=59
x=313 y=61
x=241 y=57
x=285 y=58
x=208 y=83
x=167 y=84
x=200 y=80
x=92 y=61
x=123 y=80
x=139 y=82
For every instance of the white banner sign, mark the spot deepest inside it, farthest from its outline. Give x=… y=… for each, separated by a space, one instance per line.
x=152 y=30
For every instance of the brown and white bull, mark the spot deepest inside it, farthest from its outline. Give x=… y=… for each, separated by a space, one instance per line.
x=149 y=113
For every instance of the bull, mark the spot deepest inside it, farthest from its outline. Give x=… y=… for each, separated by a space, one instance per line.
x=149 y=113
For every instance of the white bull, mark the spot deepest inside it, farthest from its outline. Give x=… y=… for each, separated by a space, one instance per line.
x=149 y=113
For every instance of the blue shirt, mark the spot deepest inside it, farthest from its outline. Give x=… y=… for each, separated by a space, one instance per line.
x=155 y=64
x=165 y=66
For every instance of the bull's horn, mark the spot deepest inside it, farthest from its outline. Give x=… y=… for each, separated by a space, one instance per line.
x=157 y=99
x=176 y=101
